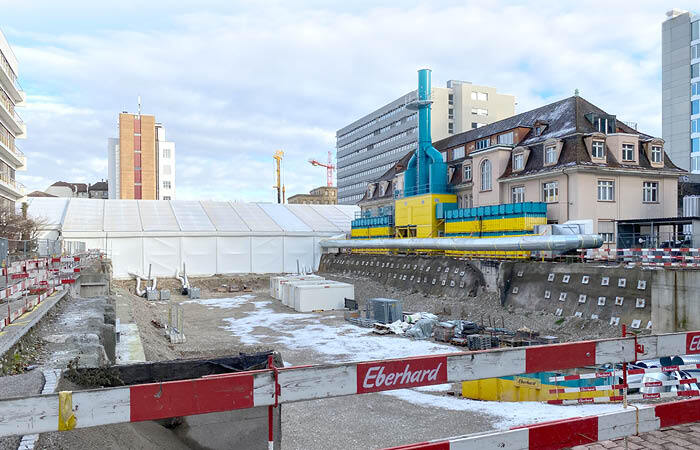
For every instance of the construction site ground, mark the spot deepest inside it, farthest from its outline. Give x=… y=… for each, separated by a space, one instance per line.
x=227 y=323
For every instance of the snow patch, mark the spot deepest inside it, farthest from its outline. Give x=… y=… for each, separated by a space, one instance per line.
x=511 y=414
x=223 y=303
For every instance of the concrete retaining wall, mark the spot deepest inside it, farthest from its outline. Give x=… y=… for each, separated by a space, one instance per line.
x=589 y=290
x=675 y=300
x=429 y=275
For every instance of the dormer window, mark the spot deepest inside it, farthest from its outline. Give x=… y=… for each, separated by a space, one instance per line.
x=518 y=161
x=483 y=143
x=656 y=154
x=550 y=154
x=598 y=149
x=628 y=152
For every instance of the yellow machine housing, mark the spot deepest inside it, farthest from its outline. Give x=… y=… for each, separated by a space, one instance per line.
x=415 y=216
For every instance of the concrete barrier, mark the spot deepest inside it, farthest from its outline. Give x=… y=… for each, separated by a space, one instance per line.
x=674 y=300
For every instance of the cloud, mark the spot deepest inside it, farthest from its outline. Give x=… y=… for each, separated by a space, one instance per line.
x=233 y=82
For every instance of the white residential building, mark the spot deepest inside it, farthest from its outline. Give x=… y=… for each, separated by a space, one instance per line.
x=166 y=165
x=11 y=127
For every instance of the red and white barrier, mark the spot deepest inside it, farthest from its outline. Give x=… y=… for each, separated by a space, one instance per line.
x=693 y=344
x=576 y=431
x=268 y=387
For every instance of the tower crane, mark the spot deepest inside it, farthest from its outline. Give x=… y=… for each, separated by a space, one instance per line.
x=277 y=156
x=329 y=168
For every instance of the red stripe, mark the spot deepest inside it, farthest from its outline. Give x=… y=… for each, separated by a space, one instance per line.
x=443 y=445
x=559 y=356
x=675 y=413
x=188 y=397
x=564 y=433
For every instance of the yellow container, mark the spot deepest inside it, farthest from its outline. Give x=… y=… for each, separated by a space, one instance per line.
x=520 y=389
x=419 y=211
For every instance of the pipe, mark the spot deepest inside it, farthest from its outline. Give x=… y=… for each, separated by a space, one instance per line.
x=561 y=242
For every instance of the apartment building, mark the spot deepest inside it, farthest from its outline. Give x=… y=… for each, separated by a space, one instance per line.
x=141 y=163
x=371 y=145
x=11 y=127
x=324 y=195
x=166 y=165
x=583 y=162
x=680 y=80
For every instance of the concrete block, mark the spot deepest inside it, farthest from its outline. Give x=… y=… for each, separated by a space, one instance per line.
x=582 y=298
x=566 y=278
x=151 y=294
x=585 y=279
x=636 y=323
x=193 y=293
x=605 y=281
x=165 y=294
x=324 y=297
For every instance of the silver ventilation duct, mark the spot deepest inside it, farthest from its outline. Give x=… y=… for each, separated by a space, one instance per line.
x=504 y=244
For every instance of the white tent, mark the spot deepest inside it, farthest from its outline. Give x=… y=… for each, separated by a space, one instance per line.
x=210 y=237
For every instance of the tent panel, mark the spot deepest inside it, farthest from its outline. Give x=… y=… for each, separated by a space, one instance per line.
x=267 y=254
x=51 y=210
x=198 y=253
x=84 y=214
x=224 y=217
x=127 y=256
x=191 y=216
x=122 y=215
x=297 y=248
x=233 y=254
x=157 y=215
x=163 y=253
x=284 y=218
x=254 y=216
x=313 y=219
x=335 y=215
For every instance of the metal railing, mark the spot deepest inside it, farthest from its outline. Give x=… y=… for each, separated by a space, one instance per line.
x=12 y=182
x=661 y=239
x=19 y=250
x=10 y=74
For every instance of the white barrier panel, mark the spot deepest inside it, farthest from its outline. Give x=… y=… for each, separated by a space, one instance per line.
x=288 y=289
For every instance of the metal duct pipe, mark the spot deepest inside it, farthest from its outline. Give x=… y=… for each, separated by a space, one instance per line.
x=561 y=242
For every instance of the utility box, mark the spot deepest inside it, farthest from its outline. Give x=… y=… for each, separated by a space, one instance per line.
x=165 y=294
x=386 y=310
x=193 y=292
x=151 y=294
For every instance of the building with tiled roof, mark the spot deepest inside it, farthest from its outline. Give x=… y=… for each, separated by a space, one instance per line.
x=580 y=160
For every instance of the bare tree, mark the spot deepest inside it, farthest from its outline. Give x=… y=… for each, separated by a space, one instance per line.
x=17 y=227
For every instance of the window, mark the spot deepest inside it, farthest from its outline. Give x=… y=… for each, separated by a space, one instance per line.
x=480 y=112
x=650 y=192
x=518 y=161
x=695 y=126
x=695 y=88
x=539 y=129
x=517 y=194
x=477 y=125
x=166 y=197
x=506 y=138
x=450 y=113
x=628 y=152
x=695 y=163
x=695 y=145
x=166 y=184
x=486 y=175
x=458 y=152
x=695 y=107
x=450 y=99
x=694 y=51
x=598 y=149
x=468 y=172
x=166 y=153
x=694 y=31
x=550 y=155
x=606 y=228
x=482 y=143
x=450 y=127
x=481 y=96
x=550 y=192
x=606 y=191
x=656 y=153
x=695 y=70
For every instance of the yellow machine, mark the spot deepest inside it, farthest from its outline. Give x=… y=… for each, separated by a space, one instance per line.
x=415 y=216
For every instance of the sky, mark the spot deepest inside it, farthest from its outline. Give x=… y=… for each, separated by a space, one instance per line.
x=235 y=81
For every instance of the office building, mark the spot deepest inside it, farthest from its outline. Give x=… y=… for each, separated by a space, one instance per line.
x=11 y=127
x=680 y=80
x=371 y=145
x=141 y=163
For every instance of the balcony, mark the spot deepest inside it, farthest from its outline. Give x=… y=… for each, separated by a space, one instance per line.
x=11 y=153
x=12 y=188
x=11 y=85
x=12 y=120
